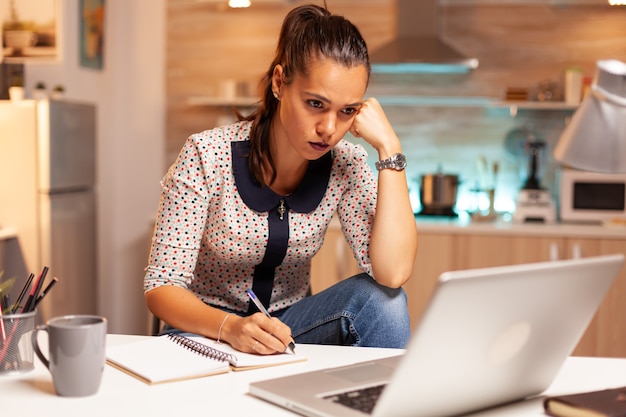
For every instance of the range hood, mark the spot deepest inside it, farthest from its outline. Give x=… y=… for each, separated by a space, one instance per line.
x=417 y=47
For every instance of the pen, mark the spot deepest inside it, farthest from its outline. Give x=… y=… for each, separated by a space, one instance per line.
x=34 y=291
x=257 y=303
x=45 y=290
x=4 y=334
x=23 y=293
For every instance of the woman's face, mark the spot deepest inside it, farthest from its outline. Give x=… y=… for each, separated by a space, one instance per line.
x=316 y=111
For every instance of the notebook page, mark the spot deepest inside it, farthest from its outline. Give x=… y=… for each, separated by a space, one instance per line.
x=249 y=360
x=159 y=359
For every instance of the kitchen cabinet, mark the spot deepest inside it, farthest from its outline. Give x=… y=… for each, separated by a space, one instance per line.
x=606 y=335
x=480 y=251
x=225 y=102
x=334 y=261
x=451 y=249
x=435 y=255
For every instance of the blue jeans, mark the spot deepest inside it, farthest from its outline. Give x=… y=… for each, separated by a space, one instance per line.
x=354 y=312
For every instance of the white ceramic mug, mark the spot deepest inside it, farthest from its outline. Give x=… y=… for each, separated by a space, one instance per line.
x=77 y=353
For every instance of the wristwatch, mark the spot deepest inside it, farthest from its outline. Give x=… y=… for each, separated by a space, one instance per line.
x=396 y=161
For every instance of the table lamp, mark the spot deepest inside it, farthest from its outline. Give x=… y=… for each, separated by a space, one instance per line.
x=595 y=138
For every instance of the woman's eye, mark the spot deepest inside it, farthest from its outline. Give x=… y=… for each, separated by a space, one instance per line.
x=349 y=111
x=315 y=103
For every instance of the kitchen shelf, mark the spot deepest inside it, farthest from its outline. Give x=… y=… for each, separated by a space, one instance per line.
x=429 y=101
x=210 y=101
x=436 y=101
x=472 y=101
x=538 y=105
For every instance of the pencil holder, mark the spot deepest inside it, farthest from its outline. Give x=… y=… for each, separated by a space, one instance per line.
x=16 y=349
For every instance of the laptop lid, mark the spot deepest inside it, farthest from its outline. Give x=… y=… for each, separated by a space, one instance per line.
x=488 y=336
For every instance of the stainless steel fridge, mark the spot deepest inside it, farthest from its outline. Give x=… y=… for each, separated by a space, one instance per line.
x=47 y=193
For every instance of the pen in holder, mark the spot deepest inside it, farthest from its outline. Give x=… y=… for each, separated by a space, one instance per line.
x=16 y=350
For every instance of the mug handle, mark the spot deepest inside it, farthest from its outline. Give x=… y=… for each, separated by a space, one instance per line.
x=35 y=344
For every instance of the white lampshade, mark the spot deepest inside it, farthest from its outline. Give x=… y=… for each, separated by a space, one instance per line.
x=595 y=138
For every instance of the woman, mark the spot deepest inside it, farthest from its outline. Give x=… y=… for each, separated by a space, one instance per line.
x=246 y=206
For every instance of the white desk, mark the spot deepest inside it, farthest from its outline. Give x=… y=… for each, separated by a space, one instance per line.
x=32 y=394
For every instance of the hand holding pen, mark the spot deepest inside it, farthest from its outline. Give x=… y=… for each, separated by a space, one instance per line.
x=291 y=347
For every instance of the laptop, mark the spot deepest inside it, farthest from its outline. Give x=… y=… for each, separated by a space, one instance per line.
x=489 y=336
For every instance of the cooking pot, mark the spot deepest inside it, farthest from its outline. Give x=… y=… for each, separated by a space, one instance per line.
x=438 y=193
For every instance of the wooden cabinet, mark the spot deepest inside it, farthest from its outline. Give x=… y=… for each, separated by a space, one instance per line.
x=333 y=262
x=441 y=251
x=479 y=251
x=606 y=334
x=435 y=255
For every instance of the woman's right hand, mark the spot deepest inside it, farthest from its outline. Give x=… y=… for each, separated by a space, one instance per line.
x=256 y=334
x=183 y=310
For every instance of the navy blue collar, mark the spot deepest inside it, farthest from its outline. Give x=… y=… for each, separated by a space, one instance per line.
x=304 y=199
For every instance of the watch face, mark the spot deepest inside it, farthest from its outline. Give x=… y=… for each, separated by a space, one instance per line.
x=400 y=161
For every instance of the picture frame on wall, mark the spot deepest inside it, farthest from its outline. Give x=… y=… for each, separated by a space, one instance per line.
x=29 y=31
x=91 y=16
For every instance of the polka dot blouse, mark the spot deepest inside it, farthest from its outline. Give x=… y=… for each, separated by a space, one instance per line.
x=218 y=233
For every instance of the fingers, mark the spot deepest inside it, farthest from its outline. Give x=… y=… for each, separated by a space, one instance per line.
x=370 y=120
x=264 y=336
x=371 y=124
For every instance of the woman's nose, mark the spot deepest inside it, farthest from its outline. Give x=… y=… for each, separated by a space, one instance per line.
x=327 y=125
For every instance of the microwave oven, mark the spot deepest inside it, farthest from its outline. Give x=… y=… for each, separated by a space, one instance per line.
x=591 y=196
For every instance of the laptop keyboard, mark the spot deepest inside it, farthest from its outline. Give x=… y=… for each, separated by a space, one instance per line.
x=363 y=399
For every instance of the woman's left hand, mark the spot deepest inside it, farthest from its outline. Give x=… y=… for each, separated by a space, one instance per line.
x=372 y=125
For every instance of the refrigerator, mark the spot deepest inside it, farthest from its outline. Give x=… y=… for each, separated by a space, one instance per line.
x=48 y=195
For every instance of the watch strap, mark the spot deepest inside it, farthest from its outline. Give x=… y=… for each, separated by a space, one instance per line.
x=396 y=161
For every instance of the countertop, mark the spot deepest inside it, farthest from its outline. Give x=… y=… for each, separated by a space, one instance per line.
x=503 y=225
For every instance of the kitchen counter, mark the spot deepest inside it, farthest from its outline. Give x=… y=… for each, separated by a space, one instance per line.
x=464 y=225
x=504 y=226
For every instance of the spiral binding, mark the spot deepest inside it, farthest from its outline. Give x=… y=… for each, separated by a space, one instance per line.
x=201 y=349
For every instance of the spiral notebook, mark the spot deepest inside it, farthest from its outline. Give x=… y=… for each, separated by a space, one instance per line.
x=175 y=357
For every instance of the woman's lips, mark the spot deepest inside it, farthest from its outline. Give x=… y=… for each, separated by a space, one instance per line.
x=319 y=146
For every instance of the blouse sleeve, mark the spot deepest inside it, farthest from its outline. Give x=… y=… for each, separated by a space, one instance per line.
x=357 y=205
x=180 y=219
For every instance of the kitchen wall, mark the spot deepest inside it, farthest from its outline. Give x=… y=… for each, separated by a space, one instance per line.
x=130 y=98
x=520 y=43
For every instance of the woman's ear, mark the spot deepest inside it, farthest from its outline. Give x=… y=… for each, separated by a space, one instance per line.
x=277 y=80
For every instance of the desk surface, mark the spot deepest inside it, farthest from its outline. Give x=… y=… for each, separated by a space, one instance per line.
x=33 y=394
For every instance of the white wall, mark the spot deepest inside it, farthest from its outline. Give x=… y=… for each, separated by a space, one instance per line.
x=130 y=96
